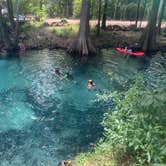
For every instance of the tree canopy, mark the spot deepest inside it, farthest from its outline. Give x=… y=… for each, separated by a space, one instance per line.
x=117 y=9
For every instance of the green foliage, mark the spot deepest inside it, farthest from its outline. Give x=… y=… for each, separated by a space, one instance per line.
x=77 y=8
x=58 y=8
x=68 y=31
x=25 y=27
x=35 y=26
x=41 y=14
x=134 y=129
x=136 y=126
x=102 y=156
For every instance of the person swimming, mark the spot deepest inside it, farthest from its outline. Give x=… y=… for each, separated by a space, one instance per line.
x=57 y=71
x=68 y=76
x=62 y=75
x=91 y=85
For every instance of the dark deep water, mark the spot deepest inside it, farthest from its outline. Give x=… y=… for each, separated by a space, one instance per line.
x=44 y=118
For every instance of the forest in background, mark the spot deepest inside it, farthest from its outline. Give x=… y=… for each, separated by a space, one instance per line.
x=116 y=9
x=15 y=13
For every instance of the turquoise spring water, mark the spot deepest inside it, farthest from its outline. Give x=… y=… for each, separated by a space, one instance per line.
x=45 y=119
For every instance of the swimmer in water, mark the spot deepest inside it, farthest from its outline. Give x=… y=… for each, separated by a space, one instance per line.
x=68 y=76
x=91 y=84
x=57 y=72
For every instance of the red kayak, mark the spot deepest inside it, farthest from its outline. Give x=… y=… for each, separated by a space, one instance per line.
x=123 y=51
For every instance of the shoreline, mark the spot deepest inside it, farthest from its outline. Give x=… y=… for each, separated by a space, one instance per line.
x=45 y=38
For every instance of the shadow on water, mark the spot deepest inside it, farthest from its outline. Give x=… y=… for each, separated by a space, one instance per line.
x=9 y=54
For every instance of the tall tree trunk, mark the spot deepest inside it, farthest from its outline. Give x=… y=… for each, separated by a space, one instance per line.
x=14 y=33
x=137 y=15
x=148 y=39
x=116 y=6
x=91 y=8
x=60 y=9
x=143 y=13
x=82 y=44
x=67 y=9
x=40 y=4
x=5 y=34
x=17 y=9
x=160 y=14
x=99 y=17
x=104 y=15
x=10 y=13
x=124 y=13
x=121 y=12
x=17 y=21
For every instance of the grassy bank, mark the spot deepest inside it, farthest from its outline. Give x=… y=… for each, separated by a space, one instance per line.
x=40 y=35
x=58 y=33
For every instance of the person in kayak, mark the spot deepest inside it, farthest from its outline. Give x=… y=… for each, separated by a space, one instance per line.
x=127 y=48
x=132 y=48
x=91 y=85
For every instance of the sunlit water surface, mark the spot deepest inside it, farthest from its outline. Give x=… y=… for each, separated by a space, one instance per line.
x=44 y=118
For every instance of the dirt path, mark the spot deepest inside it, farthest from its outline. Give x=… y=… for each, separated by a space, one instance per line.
x=109 y=22
x=94 y=22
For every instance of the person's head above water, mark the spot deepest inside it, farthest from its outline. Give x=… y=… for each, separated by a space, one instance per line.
x=57 y=71
x=91 y=84
x=90 y=81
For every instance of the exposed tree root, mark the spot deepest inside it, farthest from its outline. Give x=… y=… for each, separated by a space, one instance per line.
x=82 y=47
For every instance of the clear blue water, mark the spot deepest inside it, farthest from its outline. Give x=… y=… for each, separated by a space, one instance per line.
x=45 y=119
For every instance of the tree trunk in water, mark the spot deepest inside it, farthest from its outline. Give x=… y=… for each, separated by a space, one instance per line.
x=104 y=15
x=116 y=6
x=143 y=13
x=137 y=16
x=10 y=13
x=148 y=38
x=99 y=18
x=160 y=14
x=82 y=44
